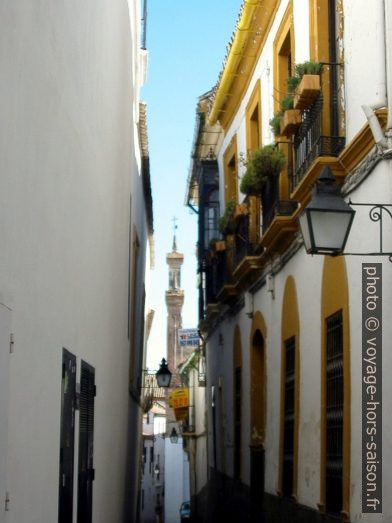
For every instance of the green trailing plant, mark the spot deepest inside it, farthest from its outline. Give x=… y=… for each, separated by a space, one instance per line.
x=224 y=220
x=287 y=103
x=262 y=163
x=292 y=83
x=275 y=123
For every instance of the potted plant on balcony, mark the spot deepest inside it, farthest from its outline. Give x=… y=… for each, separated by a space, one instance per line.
x=262 y=163
x=217 y=245
x=291 y=118
x=307 y=78
x=225 y=221
x=241 y=209
x=275 y=123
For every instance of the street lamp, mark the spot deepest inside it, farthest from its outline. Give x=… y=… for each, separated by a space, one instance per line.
x=326 y=221
x=173 y=436
x=163 y=375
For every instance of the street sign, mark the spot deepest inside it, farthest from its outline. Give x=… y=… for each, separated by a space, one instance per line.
x=179 y=398
x=188 y=337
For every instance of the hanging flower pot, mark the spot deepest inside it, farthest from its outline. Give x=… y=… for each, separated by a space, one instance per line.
x=241 y=209
x=220 y=245
x=307 y=91
x=226 y=222
x=291 y=120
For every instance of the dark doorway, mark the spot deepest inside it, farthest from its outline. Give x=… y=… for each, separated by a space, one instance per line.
x=86 y=443
x=67 y=437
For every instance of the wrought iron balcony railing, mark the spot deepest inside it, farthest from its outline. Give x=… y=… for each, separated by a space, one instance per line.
x=277 y=208
x=309 y=142
x=243 y=245
x=222 y=274
x=210 y=283
x=312 y=140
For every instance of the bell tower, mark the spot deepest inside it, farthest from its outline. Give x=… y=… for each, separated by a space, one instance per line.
x=174 y=303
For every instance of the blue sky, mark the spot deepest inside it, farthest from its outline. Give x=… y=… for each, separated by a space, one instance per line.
x=186 y=40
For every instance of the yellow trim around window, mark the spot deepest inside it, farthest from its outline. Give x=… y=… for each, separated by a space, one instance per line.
x=258 y=389
x=289 y=329
x=253 y=119
x=286 y=30
x=230 y=164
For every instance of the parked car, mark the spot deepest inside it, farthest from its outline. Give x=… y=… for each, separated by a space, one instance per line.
x=185 y=512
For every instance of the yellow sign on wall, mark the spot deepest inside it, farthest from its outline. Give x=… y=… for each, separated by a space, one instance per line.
x=181 y=414
x=179 y=398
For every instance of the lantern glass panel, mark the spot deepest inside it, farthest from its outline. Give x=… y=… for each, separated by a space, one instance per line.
x=163 y=379
x=330 y=229
x=304 y=224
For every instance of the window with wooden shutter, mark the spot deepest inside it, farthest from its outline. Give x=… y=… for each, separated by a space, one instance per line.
x=67 y=437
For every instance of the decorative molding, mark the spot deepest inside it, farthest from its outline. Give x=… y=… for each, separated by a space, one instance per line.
x=360 y=173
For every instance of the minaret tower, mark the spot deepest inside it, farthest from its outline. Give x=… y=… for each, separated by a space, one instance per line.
x=174 y=303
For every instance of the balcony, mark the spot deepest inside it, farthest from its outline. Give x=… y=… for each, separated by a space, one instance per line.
x=248 y=252
x=225 y=284
x=317 y=138
x=219 y=284
x=278 y=208
x=309 y=142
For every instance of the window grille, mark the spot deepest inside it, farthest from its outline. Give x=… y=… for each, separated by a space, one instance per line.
x=237 y=423
x=289 y=410
x=334 y=414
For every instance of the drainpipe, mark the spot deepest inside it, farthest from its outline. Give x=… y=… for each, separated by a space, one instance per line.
x=388 y=58
x=374 y=124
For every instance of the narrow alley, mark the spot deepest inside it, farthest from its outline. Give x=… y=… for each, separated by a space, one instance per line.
x=195 y=274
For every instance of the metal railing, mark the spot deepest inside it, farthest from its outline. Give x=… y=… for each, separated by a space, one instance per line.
x=309 y=141
x=243 y=246
x=210 y=282
x=277 y=208
x=222 y=276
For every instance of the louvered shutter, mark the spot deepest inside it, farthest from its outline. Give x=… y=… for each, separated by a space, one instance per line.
x=67 y=437
x=86 y=443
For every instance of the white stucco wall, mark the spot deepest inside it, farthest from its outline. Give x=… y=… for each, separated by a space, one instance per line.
x=68 y=159
x=364 y=60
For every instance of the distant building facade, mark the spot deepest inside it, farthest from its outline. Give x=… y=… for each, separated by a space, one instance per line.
x=177 y=466
x=153 y=465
